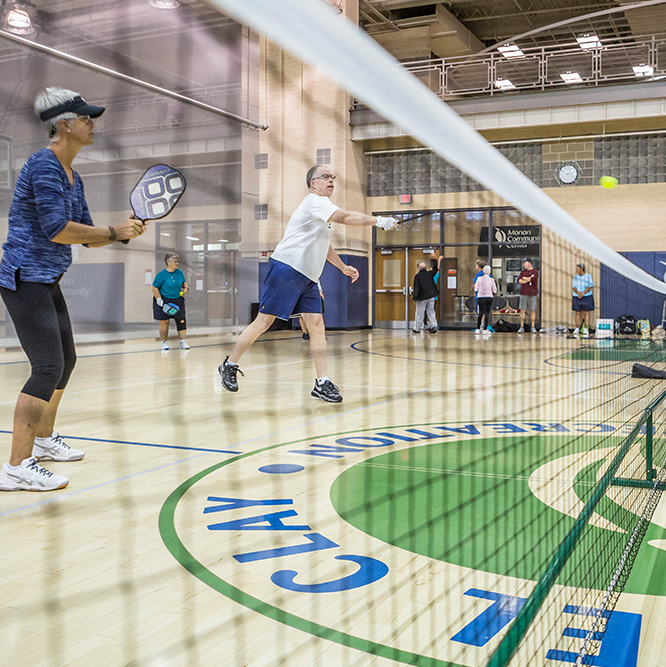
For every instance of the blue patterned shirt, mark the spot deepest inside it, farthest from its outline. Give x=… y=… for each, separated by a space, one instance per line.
x=44 y=202
x=581 y=283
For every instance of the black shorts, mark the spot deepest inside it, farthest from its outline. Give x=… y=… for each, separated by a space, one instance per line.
x=585 y=303
x=159 y=314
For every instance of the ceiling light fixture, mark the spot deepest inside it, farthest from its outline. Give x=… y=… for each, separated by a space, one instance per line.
x=643 y=70
x=510 y=51
x=223 y=240
x=17 y=21
x=504 y=84
x=192 y=238
x=571 y=77
x=588 y=42
x=164 y=4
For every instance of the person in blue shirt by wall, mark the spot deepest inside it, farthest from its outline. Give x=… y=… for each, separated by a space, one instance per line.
x=48 y=215
x=582 y=300
x=170 y=287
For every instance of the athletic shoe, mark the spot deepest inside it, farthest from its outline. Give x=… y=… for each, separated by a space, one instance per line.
x=306 y=336
x=534 y=330
x=183 y=345
x=30 y=476
x=415 y=331
x=491 y=329
x=521 y=330
x=476 y=331
x=228 y=372
x=165 y=346
x=486 y=332
x=55 y=448
x=432 y=330
x=327 y=391
x=576 y=331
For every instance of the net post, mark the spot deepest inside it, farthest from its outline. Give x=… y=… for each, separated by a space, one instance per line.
x=650 y=473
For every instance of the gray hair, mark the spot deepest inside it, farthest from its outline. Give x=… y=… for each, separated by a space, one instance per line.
x=171 y=255
x=49 y=98
x=311 y=174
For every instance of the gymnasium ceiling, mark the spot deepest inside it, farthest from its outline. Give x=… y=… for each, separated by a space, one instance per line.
x=493 y=21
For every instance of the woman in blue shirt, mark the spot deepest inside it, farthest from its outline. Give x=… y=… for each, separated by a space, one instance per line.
x=169 y=287
x=582 y=301
x=48 y=214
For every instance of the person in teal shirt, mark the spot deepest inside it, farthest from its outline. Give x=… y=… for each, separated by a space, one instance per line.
x=169 y=288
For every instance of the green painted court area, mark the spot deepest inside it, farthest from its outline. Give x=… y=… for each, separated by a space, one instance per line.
x=469 y=503
x=620 y=350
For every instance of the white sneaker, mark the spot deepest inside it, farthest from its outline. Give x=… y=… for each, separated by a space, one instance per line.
x=535 y=330
x=485 y=332
x=477 y=331
x=165 y=346
x=576 y=331
x=29 y=476
x=55 y=449
x=521 y=330
x=183 y=345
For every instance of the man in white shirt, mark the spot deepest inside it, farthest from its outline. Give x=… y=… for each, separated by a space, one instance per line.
x=295 y=267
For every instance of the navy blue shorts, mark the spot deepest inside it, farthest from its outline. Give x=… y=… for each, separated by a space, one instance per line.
x=288 y=292
x=585 y=304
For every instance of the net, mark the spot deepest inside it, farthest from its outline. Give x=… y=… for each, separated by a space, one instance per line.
x=415 y=524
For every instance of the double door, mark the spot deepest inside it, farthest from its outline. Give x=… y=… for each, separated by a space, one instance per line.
x=395 y=269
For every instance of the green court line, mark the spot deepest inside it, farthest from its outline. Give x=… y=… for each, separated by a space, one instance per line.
x=176 y=547
x=178 y=550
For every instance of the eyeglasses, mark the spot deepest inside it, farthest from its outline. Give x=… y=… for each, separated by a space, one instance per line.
x=86 y=119
x=325 y=177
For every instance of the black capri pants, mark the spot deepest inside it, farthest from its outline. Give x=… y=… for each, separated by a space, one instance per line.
x=485 y=308
x=41 y=320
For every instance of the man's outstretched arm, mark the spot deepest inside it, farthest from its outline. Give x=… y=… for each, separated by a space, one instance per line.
x=354 y=219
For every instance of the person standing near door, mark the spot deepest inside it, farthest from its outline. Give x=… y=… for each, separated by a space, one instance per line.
x=170 y=288
x=424 y=293
x=529 y=288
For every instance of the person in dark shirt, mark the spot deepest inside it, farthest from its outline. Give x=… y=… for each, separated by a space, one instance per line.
x=529 y=288
x=424 y=292
x=48 y=214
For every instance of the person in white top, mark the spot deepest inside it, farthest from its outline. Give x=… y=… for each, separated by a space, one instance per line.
x=485 y=289
x=294 y=269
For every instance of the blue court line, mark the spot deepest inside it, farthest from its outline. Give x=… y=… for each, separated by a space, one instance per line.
x=55 y=498
x=113 y=354
x=61 y=496
x=147 y=444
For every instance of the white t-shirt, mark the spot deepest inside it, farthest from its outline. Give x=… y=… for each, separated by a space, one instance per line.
x=304 y=245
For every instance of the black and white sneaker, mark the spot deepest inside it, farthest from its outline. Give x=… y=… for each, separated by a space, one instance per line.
x=327 y=391
x=228 y=372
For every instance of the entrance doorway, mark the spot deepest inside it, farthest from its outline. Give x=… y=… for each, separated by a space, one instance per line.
x=395 y=269
x=502 y=237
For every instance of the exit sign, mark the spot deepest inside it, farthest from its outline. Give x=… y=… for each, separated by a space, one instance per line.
x=405 y=199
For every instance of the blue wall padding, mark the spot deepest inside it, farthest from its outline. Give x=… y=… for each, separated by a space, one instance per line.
x=620 y=296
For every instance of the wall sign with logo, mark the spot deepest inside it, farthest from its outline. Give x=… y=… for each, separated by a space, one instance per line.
x=514 y=240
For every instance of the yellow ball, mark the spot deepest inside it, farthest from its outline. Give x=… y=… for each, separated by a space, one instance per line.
x=608 y=182
x=181 y=292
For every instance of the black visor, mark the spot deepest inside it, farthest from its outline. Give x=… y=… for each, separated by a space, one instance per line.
x=76 y=105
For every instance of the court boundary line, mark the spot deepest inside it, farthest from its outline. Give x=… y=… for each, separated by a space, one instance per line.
x=144 y=444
